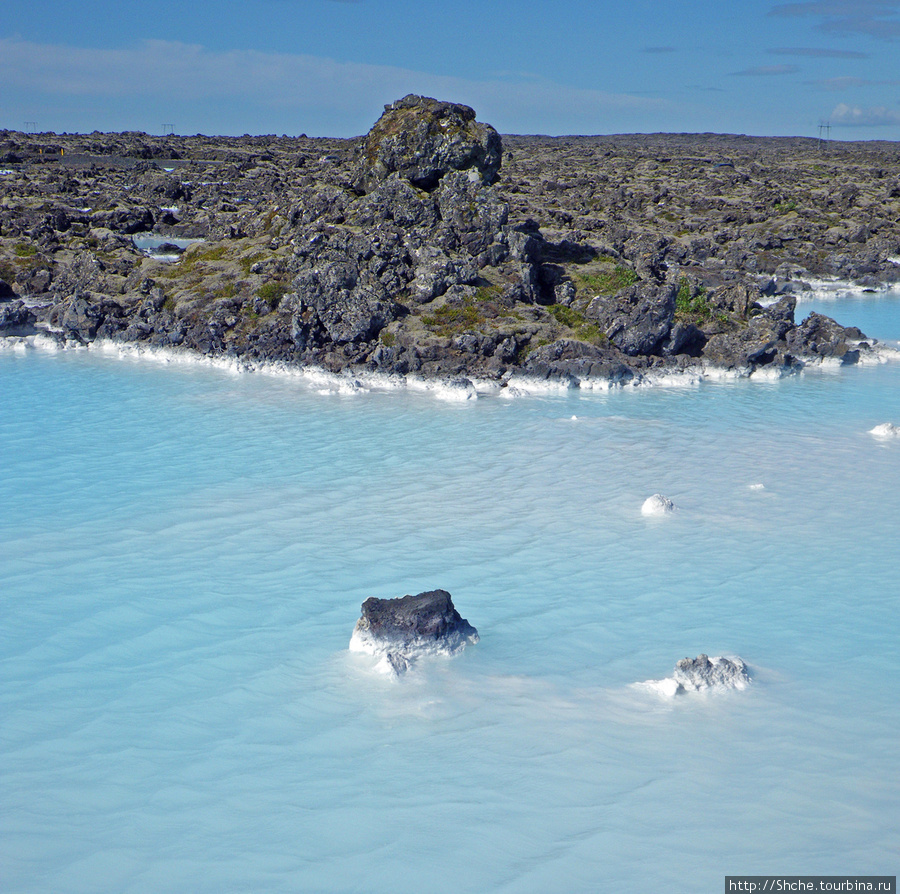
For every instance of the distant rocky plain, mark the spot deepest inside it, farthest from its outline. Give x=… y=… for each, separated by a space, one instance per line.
x=434 y=247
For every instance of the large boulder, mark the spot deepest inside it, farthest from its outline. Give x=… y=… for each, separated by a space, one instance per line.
x=420 y=139
x=401 y=630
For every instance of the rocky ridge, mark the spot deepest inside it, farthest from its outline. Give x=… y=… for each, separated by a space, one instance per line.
x=413 y=251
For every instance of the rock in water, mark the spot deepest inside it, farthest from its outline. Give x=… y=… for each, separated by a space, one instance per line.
x=421 y=139
x=657 y=505
x=885 y=430
x=401 y=630
x=703 y=672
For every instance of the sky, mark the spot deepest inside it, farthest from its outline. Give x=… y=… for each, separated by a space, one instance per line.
x=327 y=67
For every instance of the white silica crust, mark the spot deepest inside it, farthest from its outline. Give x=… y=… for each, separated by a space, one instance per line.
x=668 y=688
x=398 y=654
x=657 y=505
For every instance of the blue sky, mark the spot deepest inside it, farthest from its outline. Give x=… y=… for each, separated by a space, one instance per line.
x=326 y=67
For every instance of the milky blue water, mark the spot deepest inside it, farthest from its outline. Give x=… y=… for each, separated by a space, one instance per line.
x=183 y=554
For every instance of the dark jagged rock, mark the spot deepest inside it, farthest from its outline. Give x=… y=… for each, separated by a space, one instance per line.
x=16 y=319
x=821 y=336
x=421 y=139
x=570 y=361
x=760 y=342
x=638 y=320
x=126 y=220
x=6 y=291
x=401 y=630
x=346 y=286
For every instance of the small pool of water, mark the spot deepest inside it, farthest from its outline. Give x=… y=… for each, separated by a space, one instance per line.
x=149 y=243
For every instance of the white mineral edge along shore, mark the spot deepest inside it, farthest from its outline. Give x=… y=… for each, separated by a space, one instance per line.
x=456 y=389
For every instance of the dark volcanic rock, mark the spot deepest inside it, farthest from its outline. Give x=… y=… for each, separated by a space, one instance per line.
x=400 y=630
x=759 y=343
x=820 y=336
x=81 y=319
x=472 y=215
x=16 y=319
x=128 y=220
x=346 y=285
x=638 y=320
x=570 y=360
x=421 y=139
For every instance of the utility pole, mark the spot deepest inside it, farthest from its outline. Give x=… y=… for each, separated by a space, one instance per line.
x=169 y=129
x=824 y=132
x=31 y=127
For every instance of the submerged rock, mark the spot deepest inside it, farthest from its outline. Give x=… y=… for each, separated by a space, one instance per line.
x=885 y=430
x=657 y=505
x=703 y=672
x=402 y=630
x=700 y=674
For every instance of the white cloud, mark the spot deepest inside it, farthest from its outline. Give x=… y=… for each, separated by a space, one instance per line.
x=874 y=116
x=354 y=91
x=851 y=83
x=875 y=18
x=818 y=53
x=767 y=70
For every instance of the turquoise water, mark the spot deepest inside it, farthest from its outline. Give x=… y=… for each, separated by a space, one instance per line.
x=183 y=554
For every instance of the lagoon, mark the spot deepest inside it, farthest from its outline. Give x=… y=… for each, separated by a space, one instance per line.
x=183 y=554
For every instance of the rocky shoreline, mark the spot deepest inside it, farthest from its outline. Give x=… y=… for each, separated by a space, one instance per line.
x=434 y=248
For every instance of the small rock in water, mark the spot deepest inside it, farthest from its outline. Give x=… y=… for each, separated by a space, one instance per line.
x=401 y=630
x=657 y=505
x=885 y=430
x=169 y=248
x=703 y=672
